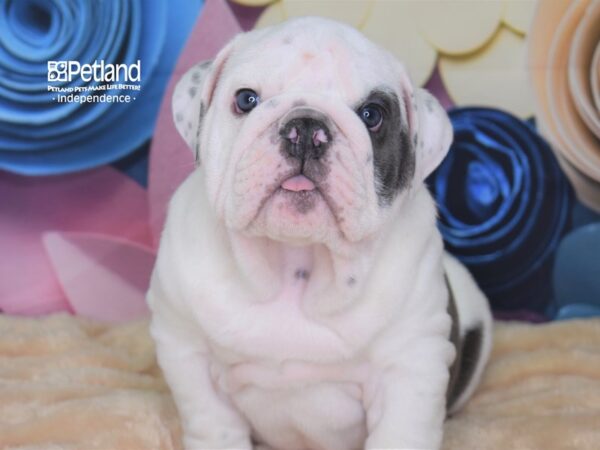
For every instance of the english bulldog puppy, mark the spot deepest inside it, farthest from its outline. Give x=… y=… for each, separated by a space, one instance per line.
x=301 y=297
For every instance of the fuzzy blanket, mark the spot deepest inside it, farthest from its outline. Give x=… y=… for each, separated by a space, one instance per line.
x=68 y=383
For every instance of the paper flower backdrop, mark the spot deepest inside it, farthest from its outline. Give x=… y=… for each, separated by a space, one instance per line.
x=60 y=240
x=480 y=45
x=39 y=135
x=564 y=59
x=85 y=243
x=504 y=205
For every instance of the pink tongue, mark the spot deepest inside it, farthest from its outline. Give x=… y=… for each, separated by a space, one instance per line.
x=298 y=183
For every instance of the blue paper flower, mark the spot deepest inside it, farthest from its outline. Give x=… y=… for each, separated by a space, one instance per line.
x=39 y=135
x=504 y=205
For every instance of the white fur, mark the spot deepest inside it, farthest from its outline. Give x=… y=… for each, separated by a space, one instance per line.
x=355 y=354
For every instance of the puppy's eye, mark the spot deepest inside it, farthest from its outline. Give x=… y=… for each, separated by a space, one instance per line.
x=246 y=100
x=372 y=116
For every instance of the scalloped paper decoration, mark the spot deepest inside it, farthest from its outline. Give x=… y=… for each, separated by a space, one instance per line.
x=272 y=15
x=460 y=32
x=402 y=37
x=518 y=15
x=353 y=13
x=476 y=22
x=389 y=24
x=493 y=77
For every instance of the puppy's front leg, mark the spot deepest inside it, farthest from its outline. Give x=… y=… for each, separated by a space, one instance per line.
x=408 y=404
x=208 y=420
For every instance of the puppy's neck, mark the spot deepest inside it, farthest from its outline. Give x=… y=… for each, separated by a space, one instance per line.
x=325 y=280
x=317 y=278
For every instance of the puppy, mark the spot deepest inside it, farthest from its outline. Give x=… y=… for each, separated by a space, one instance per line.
x=301 y=297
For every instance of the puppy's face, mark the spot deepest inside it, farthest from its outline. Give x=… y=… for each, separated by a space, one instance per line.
x=308 y=132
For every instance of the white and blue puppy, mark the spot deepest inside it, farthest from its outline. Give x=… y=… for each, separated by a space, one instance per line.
x=302 y=298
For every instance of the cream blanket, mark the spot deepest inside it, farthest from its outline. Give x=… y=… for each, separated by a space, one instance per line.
x=68 y=383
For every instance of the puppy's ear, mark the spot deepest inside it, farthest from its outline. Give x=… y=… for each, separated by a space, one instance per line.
x=193 y=95
x=429 y=125
x=432 y=133
x=188 y=105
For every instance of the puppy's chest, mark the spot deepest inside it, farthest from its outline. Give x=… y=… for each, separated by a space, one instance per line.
x=280 y=326
x=286 y=350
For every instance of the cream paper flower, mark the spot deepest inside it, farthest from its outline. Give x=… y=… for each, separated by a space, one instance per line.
x=564 y=60
x=480 y=44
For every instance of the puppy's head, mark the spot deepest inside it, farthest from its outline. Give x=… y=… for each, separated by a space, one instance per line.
x=308 y=132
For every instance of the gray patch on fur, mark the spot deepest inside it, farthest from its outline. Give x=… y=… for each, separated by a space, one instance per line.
x=429 y=103
x=192 y=91
x=394 y=156
x=470 y=350
x=200 y=71
x=197 y=77
x=468 y=353
x=302 y=274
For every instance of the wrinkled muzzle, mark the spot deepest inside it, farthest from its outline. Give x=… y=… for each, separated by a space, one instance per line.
x=301 y=169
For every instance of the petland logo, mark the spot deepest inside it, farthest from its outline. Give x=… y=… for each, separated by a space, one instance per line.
x=108 y=81
x=66 y=71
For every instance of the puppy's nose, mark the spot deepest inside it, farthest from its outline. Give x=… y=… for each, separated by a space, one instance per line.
x=306 y=137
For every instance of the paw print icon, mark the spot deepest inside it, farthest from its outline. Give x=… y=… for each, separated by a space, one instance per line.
x=57 y=71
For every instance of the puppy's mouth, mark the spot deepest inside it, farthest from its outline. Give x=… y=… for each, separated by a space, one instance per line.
x=300 y=191
x=298 y=183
